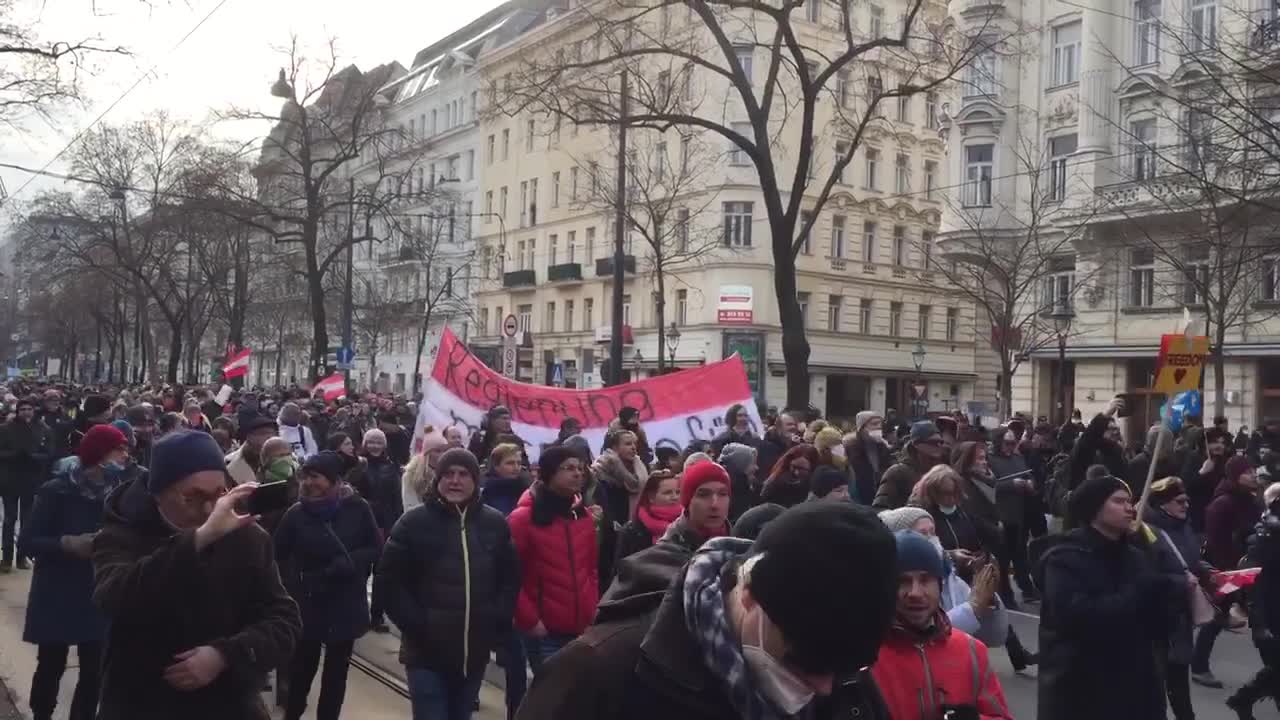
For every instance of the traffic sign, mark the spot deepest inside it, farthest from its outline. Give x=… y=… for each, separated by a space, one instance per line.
x=1180 y=363
x=346 y=358
x=510 y=326
x=510 y=353
x=557 y=375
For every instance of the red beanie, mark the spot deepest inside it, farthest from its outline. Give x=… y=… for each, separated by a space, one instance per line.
x=697 y=476
x=98 y=443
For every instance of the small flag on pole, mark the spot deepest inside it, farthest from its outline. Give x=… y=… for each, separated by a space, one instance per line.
x=333 y=387
x=237 y=364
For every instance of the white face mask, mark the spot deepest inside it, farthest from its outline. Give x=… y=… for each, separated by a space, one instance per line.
x=948 y=509
x=877 y=435
x=776 y=683
x=837 y=451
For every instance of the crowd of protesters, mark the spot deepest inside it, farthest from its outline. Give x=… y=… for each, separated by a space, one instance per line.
x=807 y=567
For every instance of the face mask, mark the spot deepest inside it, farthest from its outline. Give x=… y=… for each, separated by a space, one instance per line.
x=948 y=509
x=776 y=683
x=281 y=469
x=837 y=451
x=112 y=468
x=877 y=435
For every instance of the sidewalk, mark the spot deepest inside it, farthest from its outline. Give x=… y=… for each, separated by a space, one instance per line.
x=8 y=711
x=18 y=659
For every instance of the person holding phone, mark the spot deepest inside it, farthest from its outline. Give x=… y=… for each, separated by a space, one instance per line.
x=326 y=543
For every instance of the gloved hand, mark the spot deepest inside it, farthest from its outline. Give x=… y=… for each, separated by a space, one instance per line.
x=960 y=712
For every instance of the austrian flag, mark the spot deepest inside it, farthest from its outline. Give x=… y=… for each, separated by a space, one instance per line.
x=333 y=387
x=237 y=364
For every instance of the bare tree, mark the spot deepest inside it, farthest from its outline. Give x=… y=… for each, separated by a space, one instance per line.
x=750 y=74
x=669 y=205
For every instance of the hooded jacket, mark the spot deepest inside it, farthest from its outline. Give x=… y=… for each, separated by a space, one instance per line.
x=559 y=564
x=742 y=492
x=919 y=673
x=165 y=597
x=450 y=577
x=25 y=451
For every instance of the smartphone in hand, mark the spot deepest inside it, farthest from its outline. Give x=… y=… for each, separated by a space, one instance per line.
x=269 y=498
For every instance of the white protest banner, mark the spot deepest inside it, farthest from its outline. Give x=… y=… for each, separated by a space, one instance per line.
x=673 y=409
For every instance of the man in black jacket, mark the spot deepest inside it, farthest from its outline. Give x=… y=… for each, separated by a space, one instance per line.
x=1264 y=612
x=24 y=465
x=747 y=629
x=777 y=440
x=449 y=577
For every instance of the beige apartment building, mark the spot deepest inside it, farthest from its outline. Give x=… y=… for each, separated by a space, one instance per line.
x=871 y=307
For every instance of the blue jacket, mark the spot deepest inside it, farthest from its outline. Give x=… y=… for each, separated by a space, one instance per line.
x=325 y=565
x=501 y=493
x=60 y=608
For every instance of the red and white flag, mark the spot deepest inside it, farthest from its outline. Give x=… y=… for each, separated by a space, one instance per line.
x=237 y=364
x=1229 y=581
x=333 y=387
x=674 y=409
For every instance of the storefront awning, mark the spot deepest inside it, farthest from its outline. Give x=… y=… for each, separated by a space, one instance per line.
x=1102 y=352
x=909 y=373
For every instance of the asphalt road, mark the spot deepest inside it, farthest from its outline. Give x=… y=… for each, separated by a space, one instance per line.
x=1234 y=661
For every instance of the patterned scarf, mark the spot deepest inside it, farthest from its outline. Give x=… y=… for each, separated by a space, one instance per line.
x=708 y=623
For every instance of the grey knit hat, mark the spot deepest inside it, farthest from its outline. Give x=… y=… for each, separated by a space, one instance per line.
x=736 y=457
x=903 y=518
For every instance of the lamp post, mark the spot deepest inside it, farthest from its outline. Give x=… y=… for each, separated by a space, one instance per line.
x=638 y=358
x=920 y=402
x=673 y=341
x=1062 y=317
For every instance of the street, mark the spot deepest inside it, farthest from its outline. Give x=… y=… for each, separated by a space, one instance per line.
x=377 y=693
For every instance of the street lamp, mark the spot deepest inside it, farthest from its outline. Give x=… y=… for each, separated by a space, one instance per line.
x=1062 y=316
x=673 y=341
x=281 y=87
x=638 y=358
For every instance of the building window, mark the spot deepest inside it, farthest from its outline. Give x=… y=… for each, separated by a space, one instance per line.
x=555 y=189
x=524 y=318
x=551 y=318
x=837 y=236
x=502 y=202
x=553 y=256
x=953 y=324
x=488 y=204
x=980 y=74
x=802 y=299
x=876 y=26
x=900 y=245
x=588 y=314
x=529 y=129
x=1202 y=25
x=1059 y=284
x=902 y=174
x=626 y=309
x=1066 y=54
x=930 y=179
x=806 y=227
x=524 y=202
x=682 y=230
x=926 y=249
x=573 y=184
x=532 y=250
x=737 y=224
x=745 y=54
x=833 y=313
x=1142 y=135
x=842 y=88
x=922 y=321
x=895 y=319
x=533 y=202
x=1195 y=281
x=488 y=150
x=506 y=143
x=869 y=241
x=842 y=150
x=520 y=255
x=1142 y=274
x=737 y=156
x=812 y=11
x=1060 y=149
x=904 y=108
x=1271 y=278
x=568 y=316
x=875 y=89
x=1199 y=137
x=872 y=163
x=1146 y=36
x=865 y=308
x=682 y=307
x=589 y=245
x=977 y=175
x=931 y=110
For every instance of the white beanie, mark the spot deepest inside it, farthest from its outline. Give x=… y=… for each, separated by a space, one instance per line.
x=863 y=418
x=374 y=433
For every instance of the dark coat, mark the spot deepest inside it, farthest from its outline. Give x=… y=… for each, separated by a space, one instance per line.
x=384 y=497
x=743 y=494
x=164 y=597
x=60 y=607
x=25 y=451
x=1264 y=596
x=897 y=482
x=729 y=436
x=771 y=449
x=633 y=538
x=325 y=565
x=502 y=494
x=399 y=444
x=1201 y=488
x=1169 y=562
x=1010 y=500
x=866 y=474
x=1103 y=622
x=1228 y=521
x=1140 y=465
x=450 y=577
x=639 y=662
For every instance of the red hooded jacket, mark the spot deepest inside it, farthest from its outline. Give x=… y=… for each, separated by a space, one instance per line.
x=559 y=568
x=917 y=676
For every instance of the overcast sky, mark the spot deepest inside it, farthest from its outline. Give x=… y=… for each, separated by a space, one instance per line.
x=230 y=60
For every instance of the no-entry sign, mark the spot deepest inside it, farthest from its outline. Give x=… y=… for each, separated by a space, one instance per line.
x=1180 y=363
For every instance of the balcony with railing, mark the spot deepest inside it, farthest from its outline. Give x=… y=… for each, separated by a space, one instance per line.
x=519 y=279
x=565 y=272
x=604 y=266
x=401 y=255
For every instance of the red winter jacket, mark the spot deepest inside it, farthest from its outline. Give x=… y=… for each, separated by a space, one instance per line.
x=558 y=567
x=917 y=677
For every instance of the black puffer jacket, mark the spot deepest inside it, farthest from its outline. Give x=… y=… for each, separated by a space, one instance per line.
x=450 y=577
x=383 y=477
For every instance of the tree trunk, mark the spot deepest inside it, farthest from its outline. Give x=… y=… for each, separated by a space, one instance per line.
x=1006 y=385
x=97 y=355
x=422 y=339
x=662 y=311
x=1219 y=371
x=795 y=346
x=319 y=321
x=175 y=351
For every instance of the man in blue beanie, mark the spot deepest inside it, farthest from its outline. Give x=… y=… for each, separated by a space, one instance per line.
x=191 y=588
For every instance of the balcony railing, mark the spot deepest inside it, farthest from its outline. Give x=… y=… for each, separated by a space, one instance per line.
x=519 y=278
x=604 y=266
x=1267 y=34
x=564 y=272
x=402 y=255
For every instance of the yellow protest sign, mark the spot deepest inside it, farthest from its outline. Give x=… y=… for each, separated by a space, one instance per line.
x=1180 y=363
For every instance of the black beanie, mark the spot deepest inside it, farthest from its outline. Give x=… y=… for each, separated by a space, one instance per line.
x=753 y=521
x=181 y=454
x=95 y=405
x=827 y=479
x=551 y=460
x=458 y=457
x=828 y=578
x=1087 y=499
x=327 y=463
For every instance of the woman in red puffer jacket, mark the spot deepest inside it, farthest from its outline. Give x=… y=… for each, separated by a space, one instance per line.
x=555 y=537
